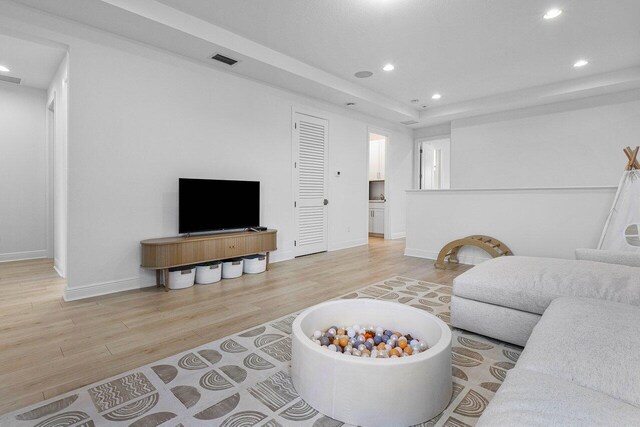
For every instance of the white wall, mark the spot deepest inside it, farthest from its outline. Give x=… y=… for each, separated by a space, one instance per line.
x=139 y=119
x=398 y=178
x=23 y=173
x=542 y=222
x=578 y=143
x=57 y=93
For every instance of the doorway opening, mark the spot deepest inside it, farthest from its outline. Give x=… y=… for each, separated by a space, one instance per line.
x=378 y=186
x=432 y=163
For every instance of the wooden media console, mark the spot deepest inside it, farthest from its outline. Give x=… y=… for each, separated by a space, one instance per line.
x=165 y=253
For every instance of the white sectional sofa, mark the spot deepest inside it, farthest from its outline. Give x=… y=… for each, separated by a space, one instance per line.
x=505 y=297
x=581 y=367
x=580 y=321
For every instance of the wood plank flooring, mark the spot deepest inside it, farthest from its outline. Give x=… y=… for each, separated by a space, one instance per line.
x=49 y=346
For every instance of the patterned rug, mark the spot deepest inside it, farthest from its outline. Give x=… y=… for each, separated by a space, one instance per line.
x=243 y=380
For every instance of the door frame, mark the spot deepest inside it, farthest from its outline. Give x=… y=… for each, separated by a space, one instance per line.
x=51 y=152
x=306 y=111
x=387 y=176
x=445 y=164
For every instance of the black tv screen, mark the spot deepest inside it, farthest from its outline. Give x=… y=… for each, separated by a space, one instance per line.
x=231 y=205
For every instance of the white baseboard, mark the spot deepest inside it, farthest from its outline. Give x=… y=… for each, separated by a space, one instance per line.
x=279 y=256
x=103 y=288
x=349 y=244
x=462 y=259
x=57 y=270
x=21 y=256
x=400 y=235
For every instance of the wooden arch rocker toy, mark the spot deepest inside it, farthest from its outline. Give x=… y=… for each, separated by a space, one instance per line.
x=493 y=247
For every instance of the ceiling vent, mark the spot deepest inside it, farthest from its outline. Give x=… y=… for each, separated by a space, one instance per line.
x=224 y=59
x=409 y=122
x=8 y=79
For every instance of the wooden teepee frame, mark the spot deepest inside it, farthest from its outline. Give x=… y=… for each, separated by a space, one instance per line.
x=632 y=165
x=632 y=155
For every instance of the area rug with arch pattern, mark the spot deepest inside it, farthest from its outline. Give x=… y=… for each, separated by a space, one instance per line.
x=243 y=379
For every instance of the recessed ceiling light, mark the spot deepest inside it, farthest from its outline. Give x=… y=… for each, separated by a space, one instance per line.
x=436 y=96
x=388 y=67
x=363 y=74
x=552 y=13
x=580 y=63
x=4 y=69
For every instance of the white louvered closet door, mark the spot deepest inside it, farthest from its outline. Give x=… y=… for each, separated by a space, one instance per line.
x=310 y=143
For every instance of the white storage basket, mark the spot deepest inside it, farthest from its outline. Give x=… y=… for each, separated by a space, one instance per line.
x=232 y=268
x=209 y=273
x=254 y=264
x=181 y=278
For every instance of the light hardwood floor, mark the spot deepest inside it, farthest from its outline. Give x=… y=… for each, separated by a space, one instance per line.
x=49 y=346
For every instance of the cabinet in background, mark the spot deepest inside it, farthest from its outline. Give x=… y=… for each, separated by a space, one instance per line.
x=376 y=160
x=376 y=220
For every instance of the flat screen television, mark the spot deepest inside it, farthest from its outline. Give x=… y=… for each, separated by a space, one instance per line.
x=236 y=205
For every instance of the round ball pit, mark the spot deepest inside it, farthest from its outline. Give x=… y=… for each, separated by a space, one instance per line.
x=373 y=392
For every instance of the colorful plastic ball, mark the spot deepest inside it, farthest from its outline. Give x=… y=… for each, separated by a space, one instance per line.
x=408 y=351
x=413 y=342
x=361 y=338
x=324 y=341
x=382 y=346
x=332 y=347
x=368 y=345
x=385 y=338
x=351 y=332
x=377 y=340
x=388 y=333
x=361 y=347
x=387 y=347
x=317 y=334
x=343 y=341
x=423 y=346
x=357 y=353
x=402 y=343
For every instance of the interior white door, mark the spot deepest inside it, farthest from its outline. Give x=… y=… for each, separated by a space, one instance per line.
x=310 y=153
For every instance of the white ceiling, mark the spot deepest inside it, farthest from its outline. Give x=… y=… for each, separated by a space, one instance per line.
x=464 y=49
x=481 y=55
x=34 y=63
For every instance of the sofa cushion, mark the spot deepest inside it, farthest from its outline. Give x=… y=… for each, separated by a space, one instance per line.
x=530 y=284
x=528 y=398
x=495 y=321
x=629 y=258
x=592 y=343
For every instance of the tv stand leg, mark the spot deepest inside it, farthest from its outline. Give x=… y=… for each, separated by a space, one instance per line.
x=158 y=278
x=267 y=261
x=166 y=279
